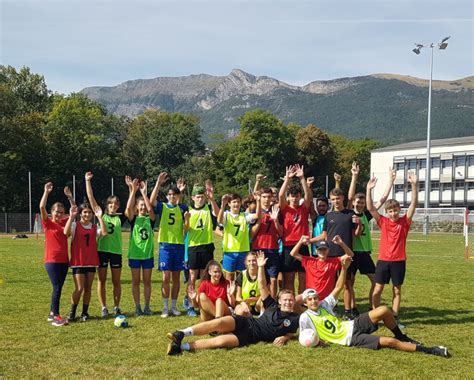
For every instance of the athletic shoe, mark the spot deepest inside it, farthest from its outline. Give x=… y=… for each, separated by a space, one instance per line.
x=71 y=317
x=186 y=303
x=191 y=312
x=173 y=349
x=355 y=312
x=59 y=321
x=117 y=311
x=401 y=326
x=147 y=311
x=85 y=317
x=105 y=313
x=175 y=312
x=176 y=337
x=440 y=351
x=138 y=311
x=348 y=316
x=50 y=317
x=164 y=313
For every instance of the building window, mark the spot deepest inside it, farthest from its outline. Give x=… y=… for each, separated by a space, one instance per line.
x=446 y=186
x=459 y=185
x=421 y=186
x=399 y=166
x=460 y=160
x=422 y=163
x=435 y=162
x=470 y=185
x=411 y=164
x=446 y=164
x=434 y=185
x=399 y=188
x=471 y=160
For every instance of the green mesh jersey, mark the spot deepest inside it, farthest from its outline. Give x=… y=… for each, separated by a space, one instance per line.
x=141 y=240
x=200 y=226
x=171 y=225
x=363 y=243
x=112 y=242
x=249 y=288
x=236 y=233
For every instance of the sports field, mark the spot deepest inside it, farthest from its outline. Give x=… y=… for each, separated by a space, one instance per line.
x=437 y=307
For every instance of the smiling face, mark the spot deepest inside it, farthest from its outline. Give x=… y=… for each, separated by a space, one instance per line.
x=322 y=253
x=359 y=205
x=266 y=200
x=312 y=302
x=86 y=215
x=337 y=202
x=286 y=301
x=57 y=212
x=251 y=262
x=234 y=205
x=113 y=205
x=172 y=197
x=294 y=199
x=199 y=200
x=393 y=213
x=141 y=207
x=215 y=273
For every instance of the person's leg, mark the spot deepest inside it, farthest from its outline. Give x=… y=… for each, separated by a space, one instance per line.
x=165 y=291
x=289 y=281
x=383 y=313
x=371 y=277
x=116 y=275
x=175 y=275
x=208 y=309
x=395 y=344
x=147 y=287
x=62 y=274
x=223 y=341
x=86 y=299
x=222 y=325
x=79 y=281
x=193 y=275
x=55 y=273
x=221 y=308
x=102 y=279
x=377 y=295
x=301 y=282
x=136 y=272
x=397 y=295
x=348 y=300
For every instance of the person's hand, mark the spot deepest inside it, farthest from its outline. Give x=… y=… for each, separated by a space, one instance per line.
x=136 y=184
x=304 y=240
x=73 y=211
x=290 y=172
x=231 y=288
x=48 y=187
x=187 y=216
x=162 y=178
x=355 y=219
x=299 y=171
x=355 y=169
x=128 y=181
x=191 y=292
x=98 y=211
x=261 y=259
x=143 y=188
x=310 y=181
x=346 y=261
x=67 y=192
x=371 y=184
x=337 y=240
x=275 y=212
x=209 y=190
x=412 y=178
x=280 y=341
x=260 y=177
x=225 y=199
x=337 y=177
x=181 y=185
x=392 y=173
x=88 y=176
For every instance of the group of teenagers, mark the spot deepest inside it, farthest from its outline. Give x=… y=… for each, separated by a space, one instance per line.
x=267 y=243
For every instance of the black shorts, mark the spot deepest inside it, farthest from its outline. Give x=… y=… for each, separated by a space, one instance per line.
x=361 y=334
x=114 y=259
x=394 y=270
x=290 y=264
x=243 y=330
x=83 y=270
x=362 y=262
x=200 y=255
x=273 y=262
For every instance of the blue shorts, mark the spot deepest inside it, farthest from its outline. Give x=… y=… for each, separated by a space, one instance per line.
x=145 y=264
x=233 y=261
x=273 y=262
x=171 y=257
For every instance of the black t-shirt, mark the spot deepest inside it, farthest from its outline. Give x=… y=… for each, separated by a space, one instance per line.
x=339 y=223
x=273 y=322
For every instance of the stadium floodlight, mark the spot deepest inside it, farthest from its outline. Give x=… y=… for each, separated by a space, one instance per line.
x=441 y=46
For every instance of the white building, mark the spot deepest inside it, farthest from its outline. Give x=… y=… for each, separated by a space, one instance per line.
x=452 y=171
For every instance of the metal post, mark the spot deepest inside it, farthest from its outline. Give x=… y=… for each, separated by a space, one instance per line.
x=327 y=186
x=29 y=199
x=112 y=186
x=428 y=153
x=74 y=186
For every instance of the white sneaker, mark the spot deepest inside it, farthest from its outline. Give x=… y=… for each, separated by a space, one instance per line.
x=164 y=313
x=175 y=312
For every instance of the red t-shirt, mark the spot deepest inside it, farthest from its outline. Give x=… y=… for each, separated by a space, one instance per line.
x=321 y=274
x=267 y=235
x=84 y=247
x=393 y=238
x=213 y=292
x=55 y=247
x=295 y=224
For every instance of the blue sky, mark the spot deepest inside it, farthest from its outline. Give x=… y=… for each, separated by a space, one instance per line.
x=76 y=44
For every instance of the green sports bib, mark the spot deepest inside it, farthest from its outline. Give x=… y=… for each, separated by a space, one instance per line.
x=112 y=242
x=141 y=240
x=329 y=327
x=236 y=234
x=363 y=243
x=171 y=225
x=200 y=227
x=249 y=288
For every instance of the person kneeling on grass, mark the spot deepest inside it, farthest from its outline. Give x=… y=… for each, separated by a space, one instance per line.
x=278 y=323
x=357 y=332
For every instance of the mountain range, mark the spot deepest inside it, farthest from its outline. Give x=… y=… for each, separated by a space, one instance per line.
x=386 y=107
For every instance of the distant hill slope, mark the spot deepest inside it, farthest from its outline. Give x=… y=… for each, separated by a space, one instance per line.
x=386 y=107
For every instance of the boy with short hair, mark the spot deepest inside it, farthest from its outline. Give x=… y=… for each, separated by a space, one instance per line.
x=236 y=235
x=321 y=318
x=391 y=264
x=171 y=239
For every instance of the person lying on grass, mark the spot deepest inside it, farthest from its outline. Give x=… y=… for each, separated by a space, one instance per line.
x=278 y=323
x=320 y=317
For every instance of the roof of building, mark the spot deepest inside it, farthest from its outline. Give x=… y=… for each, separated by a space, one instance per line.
x=422 y=144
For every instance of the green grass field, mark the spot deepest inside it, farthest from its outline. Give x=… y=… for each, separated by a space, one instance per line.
x=437 y=307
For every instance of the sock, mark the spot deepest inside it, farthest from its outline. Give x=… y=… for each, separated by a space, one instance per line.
x=173 y=304
x=85 y=308
x=426 y=350
x=73 y=308
x=185 y=347
x=398 y=333
x=347 y=311
x=138 y=306
x=188 y=331
x=165 y=304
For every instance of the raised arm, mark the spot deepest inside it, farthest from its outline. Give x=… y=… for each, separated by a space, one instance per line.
x=337 y=180
x=162 y=178
x=220 y=215
x=295 y=252
x=290 y=173
x=68 y=194
x=132 y=189
x=231 y=293
x=144 y=192
x=258 y=181
x=98 y=214
x=90 y=194
x=210 y=197
x=370 y=203
x=181 y=185
x=308 y=193
x=262 y=279
x=352 y=188
x=48 y=188
x=391 y=179
x=341 y=279
x=72 y=217
x=413 y=180
x=337 y=240
x=274 y=216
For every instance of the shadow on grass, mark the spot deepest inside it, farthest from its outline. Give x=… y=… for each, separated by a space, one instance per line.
x=433 y=316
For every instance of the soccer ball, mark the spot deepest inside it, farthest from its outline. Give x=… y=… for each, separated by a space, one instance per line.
x=121 y=321
x=308 y=338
